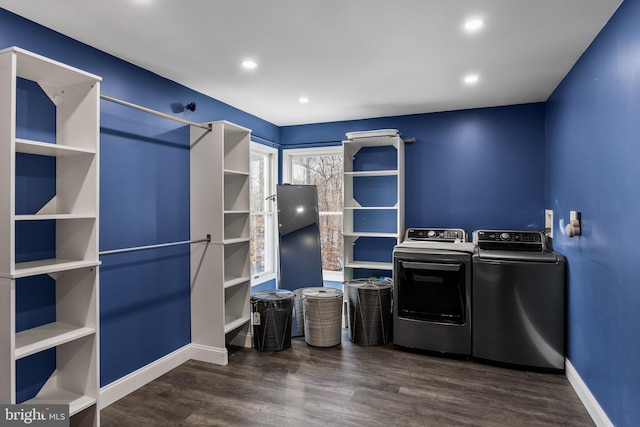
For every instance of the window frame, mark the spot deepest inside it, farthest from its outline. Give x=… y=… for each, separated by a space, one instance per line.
x=272 y=156
x=287 y=156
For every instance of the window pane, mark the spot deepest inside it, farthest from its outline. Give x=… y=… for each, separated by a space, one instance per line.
x=257 y=244
x=258 y=182
x=331 y=242
x=324 y=171
x=261 y=220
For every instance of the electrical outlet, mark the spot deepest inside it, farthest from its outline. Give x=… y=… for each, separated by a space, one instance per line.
x=548 y=221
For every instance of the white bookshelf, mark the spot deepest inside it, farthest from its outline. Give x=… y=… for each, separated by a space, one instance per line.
x=74 y=208
x=378 y=215
x=221 y=282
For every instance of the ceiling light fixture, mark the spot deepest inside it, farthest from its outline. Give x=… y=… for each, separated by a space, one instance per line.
x=473 y=24
x=303 y=100
x=249 y=64
x=471 y=79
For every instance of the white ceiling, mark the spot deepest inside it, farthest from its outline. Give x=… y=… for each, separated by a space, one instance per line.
x=353 y=58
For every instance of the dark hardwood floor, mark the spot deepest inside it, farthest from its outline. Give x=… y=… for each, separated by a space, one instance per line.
x=348 y=385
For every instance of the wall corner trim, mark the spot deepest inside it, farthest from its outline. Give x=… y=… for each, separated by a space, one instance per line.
x=588 y=400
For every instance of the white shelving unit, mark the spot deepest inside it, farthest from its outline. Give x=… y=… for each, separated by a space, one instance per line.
x=74 y=208
x=220 y=269
x=373 y=218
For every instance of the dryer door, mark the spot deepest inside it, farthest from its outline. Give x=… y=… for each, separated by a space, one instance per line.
x=431 y=291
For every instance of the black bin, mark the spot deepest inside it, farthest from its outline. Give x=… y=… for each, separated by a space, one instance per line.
x=271 y=312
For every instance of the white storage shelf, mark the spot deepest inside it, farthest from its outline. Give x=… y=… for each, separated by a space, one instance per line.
x=236 y=191
x=74 y=208
x=49 y=149
x=73 y=381
x=48 y=336
x=379 y=219
x=220 y=181
x=236 y=148
x=236 y=309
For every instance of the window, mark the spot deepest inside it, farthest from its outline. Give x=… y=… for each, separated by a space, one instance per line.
x=263 y=226
x=323 y=168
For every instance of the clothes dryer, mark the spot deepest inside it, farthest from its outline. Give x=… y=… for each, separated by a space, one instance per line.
x=432 y=291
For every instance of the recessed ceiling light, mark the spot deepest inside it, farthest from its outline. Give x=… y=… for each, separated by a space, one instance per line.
x=249 y=64
x=303 y=100
x=471 y=79
x=473 y=24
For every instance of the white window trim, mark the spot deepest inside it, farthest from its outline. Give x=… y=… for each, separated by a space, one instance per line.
x=287 y=154
x=294 y=152
x=273 y=153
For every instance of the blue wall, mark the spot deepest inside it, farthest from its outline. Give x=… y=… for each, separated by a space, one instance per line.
x=593 y=157
x=481 y=168
x=144 y=200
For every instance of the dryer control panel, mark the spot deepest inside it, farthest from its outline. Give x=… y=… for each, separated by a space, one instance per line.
x=436 y=234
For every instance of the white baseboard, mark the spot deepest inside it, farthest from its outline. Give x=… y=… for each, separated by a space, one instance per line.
x=133 y=381
x=203 y=353
x=588 y=400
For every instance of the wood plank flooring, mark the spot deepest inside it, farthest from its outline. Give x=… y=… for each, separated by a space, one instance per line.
x=348 y=385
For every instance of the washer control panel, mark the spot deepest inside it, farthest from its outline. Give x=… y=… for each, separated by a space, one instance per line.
x=436 y=234
x=532 y=241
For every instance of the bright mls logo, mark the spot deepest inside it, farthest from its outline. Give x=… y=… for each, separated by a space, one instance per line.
x=34 y=415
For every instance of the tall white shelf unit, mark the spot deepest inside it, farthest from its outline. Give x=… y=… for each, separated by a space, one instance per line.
x=220 y=269
x=373 y=166
x=74 y=208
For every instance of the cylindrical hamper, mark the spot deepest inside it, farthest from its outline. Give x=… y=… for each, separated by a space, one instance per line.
x=272 y=310
x=369 y=311
x=299 y=308
x=322 y=316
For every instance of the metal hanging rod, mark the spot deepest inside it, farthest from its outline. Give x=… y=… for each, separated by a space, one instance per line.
x=150 y=111
x=161 y=245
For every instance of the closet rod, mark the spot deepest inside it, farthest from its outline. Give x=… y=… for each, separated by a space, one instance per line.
x=161 y=245
x=157 y=113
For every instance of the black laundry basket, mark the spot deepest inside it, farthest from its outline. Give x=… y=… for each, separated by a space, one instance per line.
x=271 y=313
x=369 y=311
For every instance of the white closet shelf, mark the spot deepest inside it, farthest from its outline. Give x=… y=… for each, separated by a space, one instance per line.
x=47 y=336
x=230 y=282
x=54 y=265
x=236 y=240
x=235 y=172
x=37 y=68
x=369 y=234
x=76 y=402
x=235 y=324
x=370 y=265
x=48 y=149
x=42 y=217
x=372 y=142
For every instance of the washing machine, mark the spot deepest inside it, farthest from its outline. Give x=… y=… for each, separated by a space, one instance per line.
x=432 y=291
x=518 y=300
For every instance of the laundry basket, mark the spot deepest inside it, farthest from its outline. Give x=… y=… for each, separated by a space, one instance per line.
x=272 y=310
x=298 y=308
x=369 y=311
x=322 y=309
